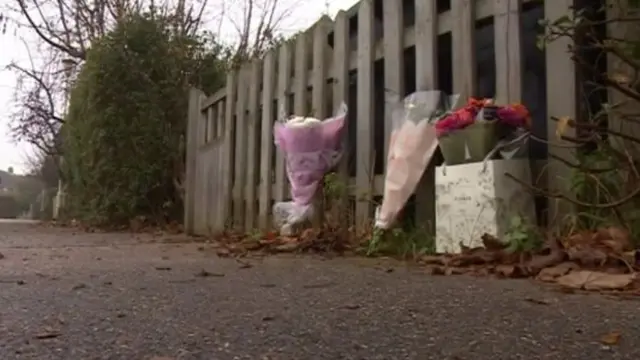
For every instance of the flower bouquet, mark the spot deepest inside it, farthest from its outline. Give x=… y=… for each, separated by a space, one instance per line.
x=312 y=147
x=412 y=144
x=471 y=132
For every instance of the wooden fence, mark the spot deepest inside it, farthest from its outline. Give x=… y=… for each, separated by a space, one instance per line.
x=234 y=173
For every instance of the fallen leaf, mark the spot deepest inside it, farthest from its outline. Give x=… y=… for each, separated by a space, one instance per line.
x=491 y=242
x=223 y=252
x=287 y=247
x=455 y=271
x=433 y=270
x=550 y=274
x=79 y=286
x=252 y=245
x=593 y=280
x=617 y=239
x=205 y=273
x=612 y=338
x=508 y=271
x=352 y=307
x=431 y=260
x=587 y=256
x=537 y=301
x=48 y=334
x=271 y=235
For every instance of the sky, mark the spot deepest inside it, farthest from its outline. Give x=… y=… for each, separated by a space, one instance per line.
x=16 y=47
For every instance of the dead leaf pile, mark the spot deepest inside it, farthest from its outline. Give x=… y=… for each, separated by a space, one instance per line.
x=230 y=244
x=602 y=260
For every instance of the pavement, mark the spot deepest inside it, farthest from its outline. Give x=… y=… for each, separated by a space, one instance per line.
x=77 y=296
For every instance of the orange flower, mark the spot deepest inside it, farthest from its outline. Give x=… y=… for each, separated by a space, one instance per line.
x=524 y=112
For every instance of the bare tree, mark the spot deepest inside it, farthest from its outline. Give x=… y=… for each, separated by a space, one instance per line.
x=70 y=26
x=39 y=94
x=67 y=28
x=257 y=24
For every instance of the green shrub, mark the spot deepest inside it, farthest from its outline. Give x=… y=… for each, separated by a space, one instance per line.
x=127 y=118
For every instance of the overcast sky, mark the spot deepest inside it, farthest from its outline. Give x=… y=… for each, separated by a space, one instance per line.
x=15 y=49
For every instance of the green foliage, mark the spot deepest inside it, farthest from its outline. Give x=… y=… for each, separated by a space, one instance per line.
x=409 y=242
x=334 y=187
x=521 y=236
x=127 y=118
x=601 y=186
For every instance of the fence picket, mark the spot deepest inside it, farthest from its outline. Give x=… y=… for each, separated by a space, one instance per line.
x=508 y=49
x=464 y=63
x=284 y=89
x=220 y=172
x=426 y=79
x=252 y=165
x=365 y=151
x=300 y=81
x=266 y=152
x=225 y=171
x=393 y=42
x=240 y=165
x=341 y=94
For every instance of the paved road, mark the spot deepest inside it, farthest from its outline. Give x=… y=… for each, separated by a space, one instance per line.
x=114 y=296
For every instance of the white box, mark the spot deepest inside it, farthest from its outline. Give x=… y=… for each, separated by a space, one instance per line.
x=471 y=202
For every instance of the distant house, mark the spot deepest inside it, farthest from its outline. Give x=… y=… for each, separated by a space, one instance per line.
x=9 y=182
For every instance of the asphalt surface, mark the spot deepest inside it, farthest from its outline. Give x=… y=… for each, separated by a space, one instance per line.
x=66 y=295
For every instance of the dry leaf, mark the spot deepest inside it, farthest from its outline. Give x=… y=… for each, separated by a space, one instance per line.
x=205 y=273
x=48 y=333
x=508 y=271
x=612 y=338
x=562 y=125
x=431 y=260
x=621 y=78
x=551 y=273
x=617 y=239
x=490 y=242
x=287 y=247
x=593 y=280
x=223 y=252
x=537 y=301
